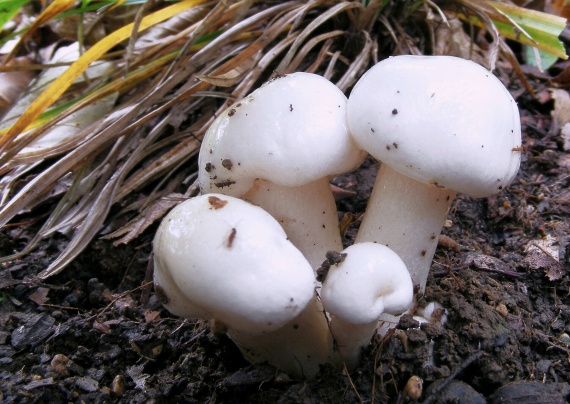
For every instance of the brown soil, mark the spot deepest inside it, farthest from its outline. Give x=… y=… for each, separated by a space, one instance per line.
x=91 y=334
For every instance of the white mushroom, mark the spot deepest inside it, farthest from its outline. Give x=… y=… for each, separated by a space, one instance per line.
x=370 y=281
x=439 y=125
x=218 y=257
x=277 y=148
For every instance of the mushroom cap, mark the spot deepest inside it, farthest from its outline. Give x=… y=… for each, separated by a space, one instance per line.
x=370 y=281
x=291 y=131
x=440 y=120
x=218 y=257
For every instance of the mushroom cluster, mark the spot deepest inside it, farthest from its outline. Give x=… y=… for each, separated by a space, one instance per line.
x=248 y=253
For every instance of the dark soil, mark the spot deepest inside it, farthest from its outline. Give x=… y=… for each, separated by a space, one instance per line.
x=97 y=333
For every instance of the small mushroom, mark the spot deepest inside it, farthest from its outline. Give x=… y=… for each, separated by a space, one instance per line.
x=219 y=258
x=284 y=142
x=457 y=129
x=369 y=281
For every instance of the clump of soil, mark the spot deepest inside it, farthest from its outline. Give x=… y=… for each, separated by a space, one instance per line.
x=97 y=333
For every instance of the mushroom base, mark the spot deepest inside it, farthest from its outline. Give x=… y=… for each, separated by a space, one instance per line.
x=349 y=339
x=298 y=348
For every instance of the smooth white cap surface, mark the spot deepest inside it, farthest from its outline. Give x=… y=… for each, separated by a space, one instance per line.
x=440 y=120
x=291 y=131
x=220 y=257
x=370 y=281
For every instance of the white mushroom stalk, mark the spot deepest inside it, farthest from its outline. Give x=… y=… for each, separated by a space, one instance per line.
x=439 y=125
x=370 y=281
x=277 y=148
x=219 y=258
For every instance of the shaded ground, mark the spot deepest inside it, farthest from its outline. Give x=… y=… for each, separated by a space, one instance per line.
x=92 y=334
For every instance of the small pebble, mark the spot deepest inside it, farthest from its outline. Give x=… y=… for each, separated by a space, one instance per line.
x=118 y=385
x=414 y=388
x=87 y=384
x=502 y=310
x=60 y=364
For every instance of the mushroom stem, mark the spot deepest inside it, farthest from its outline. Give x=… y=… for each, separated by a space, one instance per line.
x=407 y=216
x=349 y=339
x=307 y=213
x=298 y=348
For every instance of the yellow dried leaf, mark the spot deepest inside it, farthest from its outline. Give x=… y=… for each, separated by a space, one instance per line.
x=58 y=87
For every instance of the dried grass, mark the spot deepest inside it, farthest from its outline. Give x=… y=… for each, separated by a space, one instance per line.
x=172 y=79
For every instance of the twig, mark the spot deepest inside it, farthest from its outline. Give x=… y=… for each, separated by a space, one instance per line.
x=96 y=316
x=57 y=306
x=328 y=320
x=145 y=293
x=482 y=269
x=345 y=371
x=378 y=349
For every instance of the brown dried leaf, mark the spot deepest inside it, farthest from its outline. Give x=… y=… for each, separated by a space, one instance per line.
x=151 y=316
x=125 y=302
x=560 y=7
x=102 y=327
x=486 y=263
x=537 y=259
x=138 y=377
x=563 y=78
x=543 y=254
x=561 y=115
x=154 y=212
x=13 y=83
x=39 y=297
x=451 y=39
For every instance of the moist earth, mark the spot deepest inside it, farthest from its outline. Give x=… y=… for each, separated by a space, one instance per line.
x=97 y=332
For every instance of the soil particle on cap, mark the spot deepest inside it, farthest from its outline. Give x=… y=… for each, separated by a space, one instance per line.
x=223 y=184
x=216 y=203
x=231 y=238
x=227 y=164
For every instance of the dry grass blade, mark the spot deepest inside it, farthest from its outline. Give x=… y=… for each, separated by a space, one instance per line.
x=359 y=65
x=92 y=221
x=482 y=11
x=308 y=47
x=311 y=27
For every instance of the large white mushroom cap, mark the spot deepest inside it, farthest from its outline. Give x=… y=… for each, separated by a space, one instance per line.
x=218 y=257
x=440 y=120
x=291 y=131
x=370 y=281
